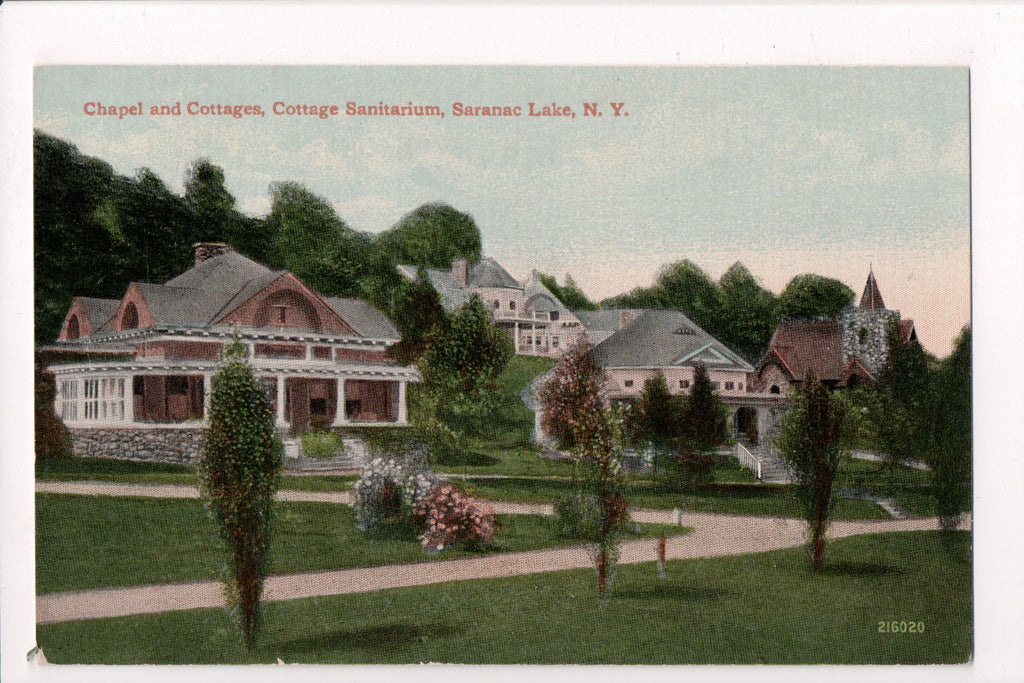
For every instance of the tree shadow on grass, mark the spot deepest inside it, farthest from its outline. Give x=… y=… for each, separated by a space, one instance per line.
x=847 y=568
x=465 y=458
x=372 y=638
x=673 y=591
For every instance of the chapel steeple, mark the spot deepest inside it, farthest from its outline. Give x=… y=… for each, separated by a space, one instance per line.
x=871 y=299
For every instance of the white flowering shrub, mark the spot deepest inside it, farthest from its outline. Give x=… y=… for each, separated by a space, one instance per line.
x=389 y=491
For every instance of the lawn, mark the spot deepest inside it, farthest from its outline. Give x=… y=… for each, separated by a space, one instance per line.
x=747 y=609
x=90 y=541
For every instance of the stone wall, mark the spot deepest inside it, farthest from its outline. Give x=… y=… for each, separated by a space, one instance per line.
x=864 y=336
x=151 y=444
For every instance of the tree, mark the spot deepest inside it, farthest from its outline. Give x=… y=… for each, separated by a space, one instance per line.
x=810 y=438
x=460 y=367
x=814 y=296
x=418 y=313
x=575 y=414
x=749 y=313
x=705 y=416
x=950 y=442
x=569 y=294
x=53 y=440
x=571 y=399
x=903 y=390
x=238 y=477
x=208 y=197
x=310 y=240
x=656 y=421
x=432 y=235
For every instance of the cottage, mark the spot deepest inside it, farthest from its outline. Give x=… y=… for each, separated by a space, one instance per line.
x=539 y=324
x=632 y=346
x=323 y=360
x=841 y=352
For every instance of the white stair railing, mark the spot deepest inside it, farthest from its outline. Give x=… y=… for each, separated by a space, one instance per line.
x=748 y=459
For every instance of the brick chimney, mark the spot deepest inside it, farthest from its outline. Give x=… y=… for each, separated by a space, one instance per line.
x=460 y=271
x=207 y=250
x=625 y=318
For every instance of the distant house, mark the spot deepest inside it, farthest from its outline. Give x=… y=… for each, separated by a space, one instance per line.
x=538 y=322
x=841 y=352
x=632 y=346
x=322 y=359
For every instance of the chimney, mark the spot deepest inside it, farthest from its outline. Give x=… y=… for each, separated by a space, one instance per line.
x=625 y=318
x=207 y=250
x=460 y=271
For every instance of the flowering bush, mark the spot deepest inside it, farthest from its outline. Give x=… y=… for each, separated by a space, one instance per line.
x=447 y=515
x=389 y=490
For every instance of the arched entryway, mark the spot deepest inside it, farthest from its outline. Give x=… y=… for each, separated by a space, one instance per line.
x=746 y=425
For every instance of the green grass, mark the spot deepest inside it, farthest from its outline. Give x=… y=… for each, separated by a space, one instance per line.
x=707 y=611
x=736 y=499
x=92 y=541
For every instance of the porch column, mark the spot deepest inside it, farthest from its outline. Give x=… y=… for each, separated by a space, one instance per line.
x=515 y=335
x=403 y=416
x=207 y=391
x=339 y=404
x=129 y=399
x=280 y=403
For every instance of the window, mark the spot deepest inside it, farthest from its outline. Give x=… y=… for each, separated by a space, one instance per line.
x=73 y=331
x=684 y=384
x=554 y=316
x=628 y=383
x=495 y=304
x=774 y=389
x=282 y=314
x=554 y=342
x=729 y=386
x=740 y=386
x=69 y=400
x=92 y=403
x=511 y=305
x=130 y=317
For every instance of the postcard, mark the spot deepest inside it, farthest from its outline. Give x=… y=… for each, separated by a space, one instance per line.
x=533 y=363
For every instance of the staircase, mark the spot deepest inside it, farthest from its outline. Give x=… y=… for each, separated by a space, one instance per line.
x=350 y=460
x=768 y=466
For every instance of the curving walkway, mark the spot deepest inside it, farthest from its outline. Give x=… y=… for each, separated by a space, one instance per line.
x=713 y=535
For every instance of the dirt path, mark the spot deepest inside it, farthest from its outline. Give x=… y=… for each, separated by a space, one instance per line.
x=714 y=535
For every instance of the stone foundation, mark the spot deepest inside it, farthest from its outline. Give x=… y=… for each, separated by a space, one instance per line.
x=150 y=444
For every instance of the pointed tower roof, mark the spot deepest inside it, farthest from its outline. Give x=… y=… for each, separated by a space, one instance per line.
x=871 y=299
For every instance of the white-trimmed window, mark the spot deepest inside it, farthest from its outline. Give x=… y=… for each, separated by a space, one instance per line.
x=68 y=400
x=91 y=394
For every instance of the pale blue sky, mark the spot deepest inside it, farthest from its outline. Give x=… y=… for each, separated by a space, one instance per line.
x=789 y=170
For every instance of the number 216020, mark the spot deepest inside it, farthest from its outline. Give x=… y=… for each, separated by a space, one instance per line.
x=901 y=627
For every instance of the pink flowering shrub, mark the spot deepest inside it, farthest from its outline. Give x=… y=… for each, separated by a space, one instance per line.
x=448 y=515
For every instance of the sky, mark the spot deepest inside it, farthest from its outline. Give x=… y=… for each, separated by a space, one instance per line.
x=787 y=169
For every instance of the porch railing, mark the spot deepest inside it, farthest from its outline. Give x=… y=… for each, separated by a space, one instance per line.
x=748 y=459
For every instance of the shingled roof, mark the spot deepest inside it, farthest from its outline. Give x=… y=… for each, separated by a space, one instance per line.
x=364 y=318
x=662 y=338
x=871 y=299
x=799 y=346
x=490 y=273
x=100 y=311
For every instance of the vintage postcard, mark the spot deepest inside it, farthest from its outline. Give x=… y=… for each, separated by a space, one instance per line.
x=503 y=364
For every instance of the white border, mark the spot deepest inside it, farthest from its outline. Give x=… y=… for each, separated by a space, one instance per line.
x=985 y=38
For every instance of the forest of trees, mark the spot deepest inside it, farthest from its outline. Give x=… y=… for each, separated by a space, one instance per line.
x=96 y=231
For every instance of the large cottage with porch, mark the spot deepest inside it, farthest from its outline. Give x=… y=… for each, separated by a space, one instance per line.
x=538 y=322
x=144 y=389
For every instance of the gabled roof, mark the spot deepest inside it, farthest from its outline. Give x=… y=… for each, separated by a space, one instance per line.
x=871 y=299
x=907 y=331
x=802 y=345
x=536 y=288
x=664 y=338
x=100 y=311
x=364 y=318
x=489 y=273
x=604 y=323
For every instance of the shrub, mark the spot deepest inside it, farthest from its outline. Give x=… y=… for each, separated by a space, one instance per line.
x=388 y=492
x=583 y=516
x=53 y=440
x=448 y=516
x=322 y=445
